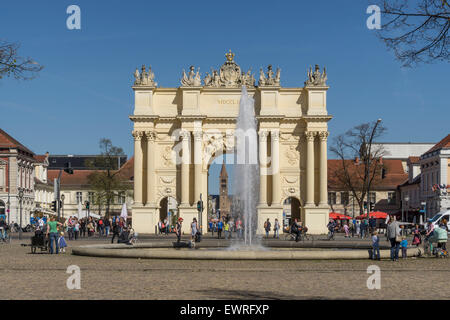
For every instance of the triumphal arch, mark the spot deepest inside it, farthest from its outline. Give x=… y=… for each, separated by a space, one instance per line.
x=179 y=131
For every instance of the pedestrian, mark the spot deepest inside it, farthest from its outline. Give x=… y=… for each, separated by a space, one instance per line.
x=159 y=226
x=166 y=226
x=393 y=234
x=178 y=229
x=62 y=242
x=267 y=226
x=107 y=223
x=76 y=229
x=276 y=229
x=194 y=229
x=219 y=229
x=52 y=232
x=3 y=229
x=116 y=231
x=358 y=227
x=70 y=228
x=226 y=229
x=331 y=229
x=90 y=228
x=352 y=223
x=417 y=239
x=83 y=227
x=372 y=224
x=404 y=246
x=231 y=229
x=239 y=228
x=346 y=231
x=375 y=246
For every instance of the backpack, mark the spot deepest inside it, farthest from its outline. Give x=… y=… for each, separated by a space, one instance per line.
x=265 y=225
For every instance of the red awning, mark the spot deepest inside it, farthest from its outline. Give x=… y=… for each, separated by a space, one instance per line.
x=376 y=215
x=339 y=216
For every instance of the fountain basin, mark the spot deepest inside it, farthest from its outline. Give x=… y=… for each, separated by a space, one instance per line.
x=166 y=251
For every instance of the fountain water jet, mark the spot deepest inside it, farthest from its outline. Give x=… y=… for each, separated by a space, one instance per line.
x=246 y=173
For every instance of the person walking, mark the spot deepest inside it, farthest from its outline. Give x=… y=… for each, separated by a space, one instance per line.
x=107 y=223
x=358 y=227
x=166 y=225
x=276 y=229
x=219 y=229
x=3 y=229
x=194 y=229
x=393 y=234
x=375 y=246
x=226 y=229
x=331 y=228
x=352 y=223
x=62 y=242
x=346 y=230
x=178 y=229
x=52 y=232
x=115 y=230
x=76 y=229
x=267 y=226
x=239 y=228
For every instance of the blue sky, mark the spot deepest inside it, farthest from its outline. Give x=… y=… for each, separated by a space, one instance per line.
x=84 y=92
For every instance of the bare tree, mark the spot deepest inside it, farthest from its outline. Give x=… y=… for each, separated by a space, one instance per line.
x=359 y=166
x=11 y=64
x=416 y=30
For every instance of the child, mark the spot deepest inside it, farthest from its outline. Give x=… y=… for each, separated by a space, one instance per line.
x=403 y=245
x=375 y=246
x=62 y=243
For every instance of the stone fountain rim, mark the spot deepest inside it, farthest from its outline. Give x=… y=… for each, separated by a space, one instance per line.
x=123 y=251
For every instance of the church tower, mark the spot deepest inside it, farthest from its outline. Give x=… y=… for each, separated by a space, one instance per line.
x=224 y=199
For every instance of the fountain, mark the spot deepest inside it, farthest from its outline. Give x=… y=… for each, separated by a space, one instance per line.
x=246 y=173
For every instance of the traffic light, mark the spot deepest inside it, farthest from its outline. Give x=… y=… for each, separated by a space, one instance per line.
x=372 y=206
x=365 y=204
x=54 y=206
x=200 y=206
x=87 y=204
x=68 y=168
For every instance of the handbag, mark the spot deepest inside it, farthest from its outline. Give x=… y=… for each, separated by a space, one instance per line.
x=398 y=238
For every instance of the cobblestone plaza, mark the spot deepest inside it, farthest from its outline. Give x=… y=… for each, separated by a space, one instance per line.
x=43 y=276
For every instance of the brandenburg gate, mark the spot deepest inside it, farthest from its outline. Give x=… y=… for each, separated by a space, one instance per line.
x=179 y=131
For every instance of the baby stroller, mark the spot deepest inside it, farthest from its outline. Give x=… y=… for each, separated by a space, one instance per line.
x=438 y=243
x=39 y=240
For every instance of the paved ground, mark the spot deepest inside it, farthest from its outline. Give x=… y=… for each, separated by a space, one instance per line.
x=43 y=276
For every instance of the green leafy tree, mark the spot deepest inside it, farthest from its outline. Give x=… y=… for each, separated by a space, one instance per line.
x=106 y=181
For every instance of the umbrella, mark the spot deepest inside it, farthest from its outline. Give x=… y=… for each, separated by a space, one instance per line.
x=376 y=215
x=339 y=216
x=124 y=212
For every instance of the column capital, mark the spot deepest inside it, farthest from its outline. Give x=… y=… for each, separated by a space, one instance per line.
x=185 y=134
x=323 y=135
x=263 y=134
x=198 y=135
x=310 y=135
x=138 y=135
x=150 y=135
x=275 y=134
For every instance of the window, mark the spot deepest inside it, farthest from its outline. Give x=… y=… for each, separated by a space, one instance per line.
x=121 y=198
x=91 y=197
x=331 y=197
x=373 y=197
x=392 y=197
x=79 y=197
x=344 y=198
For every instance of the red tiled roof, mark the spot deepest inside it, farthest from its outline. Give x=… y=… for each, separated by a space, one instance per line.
x=6 y=141
x=444 y=143
x=40 y=158
x=127 y=170
x=394 y=174
x=79 y=177
x=413 y=159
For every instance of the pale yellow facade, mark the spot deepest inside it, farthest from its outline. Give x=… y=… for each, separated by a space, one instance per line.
x=179 y=131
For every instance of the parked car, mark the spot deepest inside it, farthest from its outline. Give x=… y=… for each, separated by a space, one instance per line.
x=436 y=220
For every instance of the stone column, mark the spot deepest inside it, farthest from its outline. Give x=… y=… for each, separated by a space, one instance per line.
x=185 y=162
x=263 y=167
x=198 y=138
x=276 y=187
x=310 y=168
x=138 y=167
x=323 y=199
x=151 y=174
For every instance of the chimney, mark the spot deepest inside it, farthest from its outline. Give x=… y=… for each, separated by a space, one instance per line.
x=381 y=160
x=356 y=160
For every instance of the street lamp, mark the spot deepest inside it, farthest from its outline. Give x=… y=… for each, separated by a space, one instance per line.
x=406 y=213
x=368 y=167
x=62 y=202
x=20 y=202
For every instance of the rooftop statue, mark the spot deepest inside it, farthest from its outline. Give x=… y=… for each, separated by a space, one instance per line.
x=316 y=78
x=192 y=79
x=144 y=78
x=269 y=80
